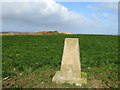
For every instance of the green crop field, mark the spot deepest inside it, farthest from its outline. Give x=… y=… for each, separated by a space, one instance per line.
x=31 y=61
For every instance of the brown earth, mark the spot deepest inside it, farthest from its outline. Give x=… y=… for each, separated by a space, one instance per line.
x=36 y=33
x=65 y=32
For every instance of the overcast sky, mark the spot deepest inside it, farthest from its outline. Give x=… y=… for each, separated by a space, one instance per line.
x=74 y=17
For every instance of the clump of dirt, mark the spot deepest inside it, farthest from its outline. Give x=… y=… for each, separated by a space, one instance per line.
x=97 y=84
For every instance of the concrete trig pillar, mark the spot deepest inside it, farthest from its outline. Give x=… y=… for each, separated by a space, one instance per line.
x=71 y=67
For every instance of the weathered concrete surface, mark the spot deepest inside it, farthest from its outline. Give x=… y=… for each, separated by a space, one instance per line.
x=71 y=68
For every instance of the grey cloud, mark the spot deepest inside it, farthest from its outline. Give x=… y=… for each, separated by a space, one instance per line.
x=46 y=15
